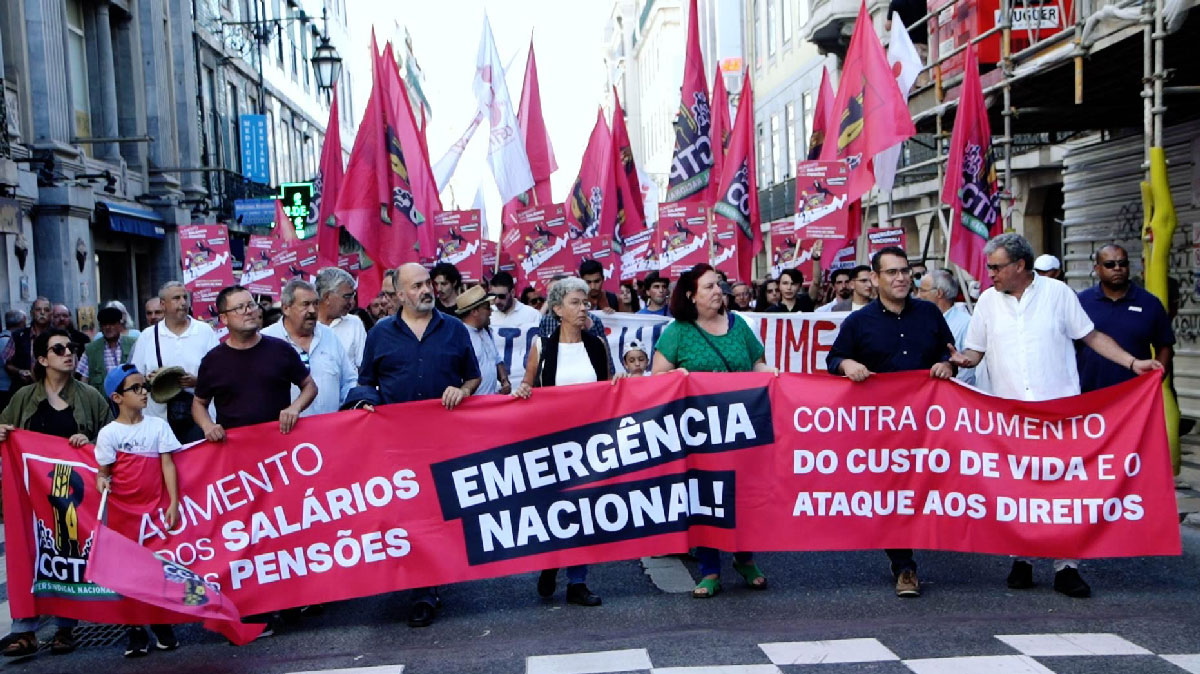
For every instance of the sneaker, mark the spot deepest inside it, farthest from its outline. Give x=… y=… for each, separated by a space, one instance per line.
x=165 y=637
x=1021 y=576
x=138 y=642
x=1069 y=582
x=907 y=584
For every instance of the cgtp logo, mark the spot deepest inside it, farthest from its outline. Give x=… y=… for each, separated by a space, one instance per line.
x=61 y=555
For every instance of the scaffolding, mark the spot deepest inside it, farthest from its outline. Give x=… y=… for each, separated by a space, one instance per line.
x=1073 y=43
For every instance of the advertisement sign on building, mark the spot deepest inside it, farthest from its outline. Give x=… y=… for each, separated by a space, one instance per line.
x=256 y=157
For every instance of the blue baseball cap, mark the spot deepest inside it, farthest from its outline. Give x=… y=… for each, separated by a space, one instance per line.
x=116 y=377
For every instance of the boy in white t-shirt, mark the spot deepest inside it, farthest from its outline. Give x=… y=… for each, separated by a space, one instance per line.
x=134 y=433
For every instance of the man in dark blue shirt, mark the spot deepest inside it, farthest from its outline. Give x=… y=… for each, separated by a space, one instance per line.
x=419 y=354
x=893 y=333
x=1130 y=315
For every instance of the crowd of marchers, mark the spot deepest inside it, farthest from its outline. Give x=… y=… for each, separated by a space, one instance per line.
x=426 y=336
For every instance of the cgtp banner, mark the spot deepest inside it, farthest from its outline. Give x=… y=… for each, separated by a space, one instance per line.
x=358 y=503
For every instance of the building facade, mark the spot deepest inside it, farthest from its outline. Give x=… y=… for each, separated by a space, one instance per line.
x=121 y=123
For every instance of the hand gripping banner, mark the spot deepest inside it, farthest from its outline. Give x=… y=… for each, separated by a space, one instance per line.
x=358 y=503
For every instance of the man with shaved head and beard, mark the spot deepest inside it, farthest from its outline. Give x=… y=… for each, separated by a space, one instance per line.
x=418 y=354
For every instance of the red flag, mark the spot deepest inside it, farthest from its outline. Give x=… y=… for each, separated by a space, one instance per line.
x=284 y=231
x=591 y=208
x=720 y=133
x=822 y=116
x=326 y=188
x=630 y=210
x=133 y=571
x=537 y=144
x=411 y=154
x=871 y=113
x=691 y=163
x=739 y=185
x=970 y=187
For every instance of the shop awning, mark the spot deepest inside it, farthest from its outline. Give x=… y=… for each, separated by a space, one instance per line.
x=131 y=220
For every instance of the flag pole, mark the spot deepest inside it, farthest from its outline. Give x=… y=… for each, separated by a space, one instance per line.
x=102 y=512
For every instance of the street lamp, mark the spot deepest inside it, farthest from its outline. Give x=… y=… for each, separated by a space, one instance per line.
x=326 y=63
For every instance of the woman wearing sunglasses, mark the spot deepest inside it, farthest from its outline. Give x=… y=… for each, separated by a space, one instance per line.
x=54 y=404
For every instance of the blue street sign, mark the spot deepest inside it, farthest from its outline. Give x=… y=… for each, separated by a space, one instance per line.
x=254 y=212
x=256 y=158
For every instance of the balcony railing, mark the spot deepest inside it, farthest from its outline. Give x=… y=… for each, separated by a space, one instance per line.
x=225 y=186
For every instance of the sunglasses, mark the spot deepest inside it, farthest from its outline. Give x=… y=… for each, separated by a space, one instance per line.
x=537 y=301
x=62 y=349
x=1113 y=264
x=137 y=387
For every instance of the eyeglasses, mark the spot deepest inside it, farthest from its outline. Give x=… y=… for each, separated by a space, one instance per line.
x=898 y=271
x=349 y=296
x=578 y=304
x=537 y=301
x=61 y=350
x=998 y=267
x=245 y=308
x=918 y=275
x=137 y=387
x=1113 y=264
x=501 y=298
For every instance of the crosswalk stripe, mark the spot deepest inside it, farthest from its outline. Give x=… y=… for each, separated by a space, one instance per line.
x=377 y=669
x=1045 y=645
x=981 y=664
x=1190 y=663
x=719 y=669
x=821 y=652
x=589 y=663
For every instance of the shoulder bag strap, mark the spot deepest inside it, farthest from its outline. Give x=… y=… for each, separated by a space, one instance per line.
x=713 y=346
x=157 y=348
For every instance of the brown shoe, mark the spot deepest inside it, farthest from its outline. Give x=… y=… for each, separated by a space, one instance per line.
x=907 y=584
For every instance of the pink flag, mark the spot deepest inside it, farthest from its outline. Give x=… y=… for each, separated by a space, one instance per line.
x=630 y=211
x=132 y=571
x=284 y=231
x=410 y=154
x=592 y=205
x=970 y=187
x=739 y=185
x=720 y=133
x=871 y=114
x=326 y=188
x=691 y=164
x=822 y=116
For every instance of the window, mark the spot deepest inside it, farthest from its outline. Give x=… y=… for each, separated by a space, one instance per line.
x=78 y=70
x=208 y=95
x=235 y=136
x=304 y=65
x=757 y=38
x=764 y=174
x=787 y=18
x=291 y=35
x=776 y=140
x=772 y=26
x=789 y=120
x=807 y=110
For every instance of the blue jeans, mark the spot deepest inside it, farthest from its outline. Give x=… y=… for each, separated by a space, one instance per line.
x=710 y=560
x=577 y=574
x=31 y=624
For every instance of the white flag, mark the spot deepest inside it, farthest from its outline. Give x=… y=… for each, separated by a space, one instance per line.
x=902 y=51
x=443 y=169
x=484 y=229
x=506 y=148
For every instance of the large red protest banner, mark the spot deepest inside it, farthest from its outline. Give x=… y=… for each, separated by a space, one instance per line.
x=207 y=267
x=681 y=237
x=595 y=473
x=458 y=235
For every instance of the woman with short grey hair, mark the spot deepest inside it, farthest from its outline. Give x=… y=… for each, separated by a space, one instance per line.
x=570 y=355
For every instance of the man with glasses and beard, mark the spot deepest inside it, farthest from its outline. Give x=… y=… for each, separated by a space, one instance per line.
x=1026 y=324
x=512 y=321
x=1133 y=317
x=418 y=354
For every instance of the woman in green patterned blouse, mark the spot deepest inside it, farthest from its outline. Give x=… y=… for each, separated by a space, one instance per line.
x=706 y=338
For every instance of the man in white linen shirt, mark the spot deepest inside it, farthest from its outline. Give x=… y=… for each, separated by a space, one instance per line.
x=513 y=324
x=1027 y=324
x=335 y=292
x=177 y=340
x=319 y=348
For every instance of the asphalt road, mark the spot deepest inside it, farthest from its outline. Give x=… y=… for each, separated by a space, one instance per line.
x=1148 y=605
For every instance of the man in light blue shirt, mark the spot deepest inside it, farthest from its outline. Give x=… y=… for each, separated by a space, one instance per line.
x=940 y=287
x=474 y=309
x=319 y=348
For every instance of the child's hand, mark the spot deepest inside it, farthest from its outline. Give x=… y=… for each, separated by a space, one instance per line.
x=78 y=440
x=173 y=516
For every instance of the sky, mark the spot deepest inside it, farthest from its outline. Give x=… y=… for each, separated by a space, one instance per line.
x=568 y=38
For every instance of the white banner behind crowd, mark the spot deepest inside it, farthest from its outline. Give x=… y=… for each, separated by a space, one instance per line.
x=794 y=342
